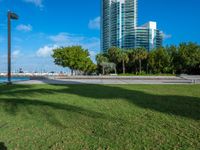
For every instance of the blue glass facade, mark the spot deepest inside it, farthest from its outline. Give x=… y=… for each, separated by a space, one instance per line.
x=118 y=20
x=119 y=27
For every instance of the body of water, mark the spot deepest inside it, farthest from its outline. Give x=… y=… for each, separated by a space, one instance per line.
x=4 y=79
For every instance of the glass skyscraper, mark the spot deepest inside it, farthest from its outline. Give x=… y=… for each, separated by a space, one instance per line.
x=148 y=37
x=119 y=26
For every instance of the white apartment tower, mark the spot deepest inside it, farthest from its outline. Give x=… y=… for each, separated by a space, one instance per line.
x=119 y=24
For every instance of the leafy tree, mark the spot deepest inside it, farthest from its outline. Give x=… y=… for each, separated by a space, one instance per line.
x=184 y=58
x=174 y=58
x=74 y=57
x=88 y=67
x=189 y=57
x=159 y=60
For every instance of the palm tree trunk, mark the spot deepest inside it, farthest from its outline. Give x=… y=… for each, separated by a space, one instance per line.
x=140 y=62
x=124 y=69
x=147 y=68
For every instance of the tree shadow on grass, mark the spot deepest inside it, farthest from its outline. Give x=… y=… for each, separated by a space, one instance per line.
x=184 y=106
x=2 y=146
x=13 y=106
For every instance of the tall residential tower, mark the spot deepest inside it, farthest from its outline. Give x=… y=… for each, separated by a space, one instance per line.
x=119 y=26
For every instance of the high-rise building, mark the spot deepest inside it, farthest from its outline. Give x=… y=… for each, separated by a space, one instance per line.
x=148 y=36
x=119 y=26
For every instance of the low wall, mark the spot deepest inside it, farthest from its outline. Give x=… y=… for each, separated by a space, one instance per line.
x=108 y=77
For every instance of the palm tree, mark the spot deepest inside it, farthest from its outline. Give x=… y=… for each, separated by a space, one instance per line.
x=140 y=54
x=132 y=58
x=101 y=59
x=113 y=53
x=123 y=57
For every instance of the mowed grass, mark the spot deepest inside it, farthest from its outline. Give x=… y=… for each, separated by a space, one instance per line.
x=156 y=117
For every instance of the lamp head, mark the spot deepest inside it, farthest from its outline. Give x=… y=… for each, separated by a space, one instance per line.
x=13 y=15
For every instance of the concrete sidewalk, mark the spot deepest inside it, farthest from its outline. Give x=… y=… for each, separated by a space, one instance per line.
x=109 y=81
x=113 y=80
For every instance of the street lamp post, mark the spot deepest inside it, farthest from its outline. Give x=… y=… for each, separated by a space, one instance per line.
x=15 y=17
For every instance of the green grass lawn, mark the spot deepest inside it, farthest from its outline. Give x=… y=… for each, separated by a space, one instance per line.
x=34 y=117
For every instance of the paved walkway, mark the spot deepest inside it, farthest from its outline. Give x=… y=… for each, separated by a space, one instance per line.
x=110 y=81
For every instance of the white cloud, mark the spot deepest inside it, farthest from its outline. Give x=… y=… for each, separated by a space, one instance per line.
x=37 y=57
x=37 y=3
x=95 y=23
x=16 y=54
x=25 y=28
x=66 y=39
x=41 y=54
x=166 y=36
x=30 y=63
x=46 y=51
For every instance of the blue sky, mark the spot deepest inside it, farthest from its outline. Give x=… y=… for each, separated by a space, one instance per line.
x=47 y=24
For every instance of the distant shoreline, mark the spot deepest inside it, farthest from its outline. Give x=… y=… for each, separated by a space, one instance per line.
x=32 y=74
